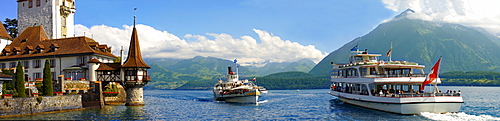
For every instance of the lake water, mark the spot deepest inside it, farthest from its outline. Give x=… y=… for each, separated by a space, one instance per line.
x=481 y=103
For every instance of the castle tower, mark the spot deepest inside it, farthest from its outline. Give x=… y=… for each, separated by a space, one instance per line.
x=55 y=16
x=135 y=72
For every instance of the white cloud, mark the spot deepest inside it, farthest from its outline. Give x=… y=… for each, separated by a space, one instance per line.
x=475 y=13
x=161 y=44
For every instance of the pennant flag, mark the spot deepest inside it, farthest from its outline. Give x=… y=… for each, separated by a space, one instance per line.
x=254 y=79
x=389 y=52
x=355 y=48
x=432 y=75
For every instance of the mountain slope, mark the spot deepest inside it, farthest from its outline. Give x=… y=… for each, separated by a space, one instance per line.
x=462 y=48
x=207 y=66
x=303 y=65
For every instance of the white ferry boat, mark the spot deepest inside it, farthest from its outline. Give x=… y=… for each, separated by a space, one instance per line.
x=391 y=86
x=235 y=90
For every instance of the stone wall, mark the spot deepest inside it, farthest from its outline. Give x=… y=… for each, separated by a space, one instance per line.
x=32 y=105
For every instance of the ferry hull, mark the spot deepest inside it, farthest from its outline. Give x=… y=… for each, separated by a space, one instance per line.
x=239 y=99
x=407 y=108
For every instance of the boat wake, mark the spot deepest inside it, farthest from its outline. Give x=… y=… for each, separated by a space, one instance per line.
x=264 y=101
x=203 y=99
x=461 y=116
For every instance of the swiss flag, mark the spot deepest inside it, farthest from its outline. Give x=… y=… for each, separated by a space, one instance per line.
x=432 y=75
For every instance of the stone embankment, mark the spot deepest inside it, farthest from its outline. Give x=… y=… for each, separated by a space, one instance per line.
x=35 y=105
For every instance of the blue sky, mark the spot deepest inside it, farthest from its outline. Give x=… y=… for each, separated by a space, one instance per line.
x=312 y=29
x=327 y=24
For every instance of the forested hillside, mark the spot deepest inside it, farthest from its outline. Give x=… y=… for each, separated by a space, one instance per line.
x=294 y=80
x=472 y=78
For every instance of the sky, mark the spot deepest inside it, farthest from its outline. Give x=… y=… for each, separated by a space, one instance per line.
x=256 y=31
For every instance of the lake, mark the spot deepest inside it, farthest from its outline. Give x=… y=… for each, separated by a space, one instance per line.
x=481 y=103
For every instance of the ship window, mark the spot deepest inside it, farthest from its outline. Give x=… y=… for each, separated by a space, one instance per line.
x=363 y=71
x=359 y=59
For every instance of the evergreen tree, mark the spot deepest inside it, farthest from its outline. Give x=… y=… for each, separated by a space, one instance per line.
x=47 y=88
x=7 y=84
x=20 y=88
x=11 y=27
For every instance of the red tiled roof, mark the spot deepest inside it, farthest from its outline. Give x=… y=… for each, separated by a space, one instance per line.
x=134 y=58
x=5 y=76
x=3 y=32
x=94 y=61
x=35 y=36
x=109 y=67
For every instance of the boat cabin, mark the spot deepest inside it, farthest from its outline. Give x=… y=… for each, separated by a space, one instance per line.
x=367 y=75
x=366 y=65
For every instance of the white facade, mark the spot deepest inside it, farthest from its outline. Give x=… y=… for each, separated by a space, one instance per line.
x=72 y=67
x=56 y=16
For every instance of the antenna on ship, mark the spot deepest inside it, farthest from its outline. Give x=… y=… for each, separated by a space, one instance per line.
x=237 y=68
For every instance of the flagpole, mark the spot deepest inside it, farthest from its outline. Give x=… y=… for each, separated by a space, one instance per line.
x=390 y=54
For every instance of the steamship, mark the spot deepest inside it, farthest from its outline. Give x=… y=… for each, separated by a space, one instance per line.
x=234 y=90
x=391 y=86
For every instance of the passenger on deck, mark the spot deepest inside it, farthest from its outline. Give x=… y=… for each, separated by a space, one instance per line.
x=380 y=93
x=400 y=92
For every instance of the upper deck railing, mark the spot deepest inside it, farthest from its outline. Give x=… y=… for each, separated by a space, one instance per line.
x=381 y=76
x=395 y=95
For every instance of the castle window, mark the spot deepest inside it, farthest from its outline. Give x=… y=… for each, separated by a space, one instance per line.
x=30 y=3
x=52 y=63
x=37 y=75
x=28 y=49
x=12 y=64
x=81 y=60
x=36 y=63
x=54 y=77
x=5 y=52
x=26 y=64
x=53 y=47
x=37 y=3
x=39 y=48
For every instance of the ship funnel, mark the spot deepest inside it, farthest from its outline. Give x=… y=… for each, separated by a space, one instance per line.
x=229 y=70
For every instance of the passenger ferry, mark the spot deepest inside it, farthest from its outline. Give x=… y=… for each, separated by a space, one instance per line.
x=391 y=86
x=235 y=90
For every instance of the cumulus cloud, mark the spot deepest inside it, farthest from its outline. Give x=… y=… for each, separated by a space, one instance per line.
x=474 y=13
x=161 y=44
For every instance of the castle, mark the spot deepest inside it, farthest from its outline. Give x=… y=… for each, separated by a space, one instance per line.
x=47 y=27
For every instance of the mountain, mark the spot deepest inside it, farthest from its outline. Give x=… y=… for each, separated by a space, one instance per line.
x=208 y=66
x=304 y=65
x=202 y=72
x=174 y=73
x=462 y=48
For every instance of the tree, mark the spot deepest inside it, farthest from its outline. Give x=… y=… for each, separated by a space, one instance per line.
x=11 y=27
x=47 y=88
x=7 y=87
x=20 y=88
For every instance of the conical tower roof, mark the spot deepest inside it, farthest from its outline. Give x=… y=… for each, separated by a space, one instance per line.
x=3 y=33
x=134 y=53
